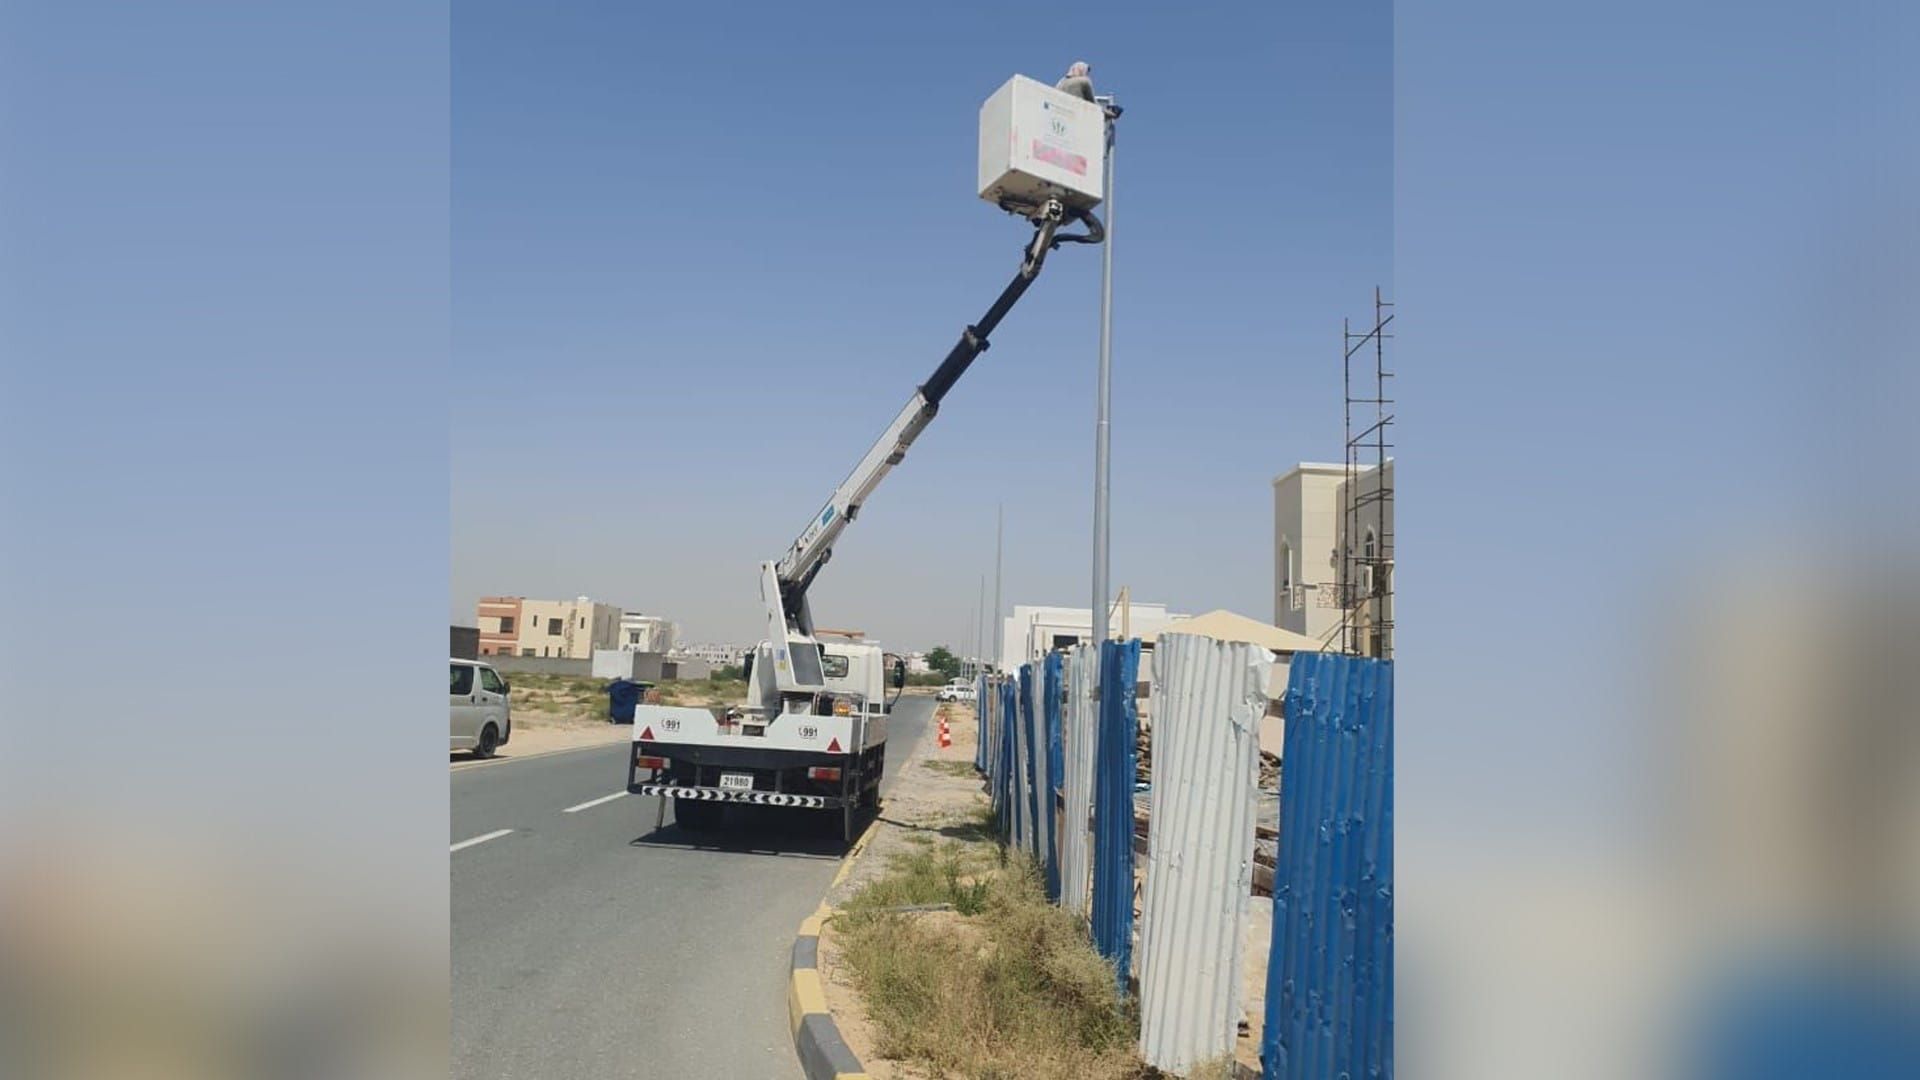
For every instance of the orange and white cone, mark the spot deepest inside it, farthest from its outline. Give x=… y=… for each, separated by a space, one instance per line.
x=946 y=736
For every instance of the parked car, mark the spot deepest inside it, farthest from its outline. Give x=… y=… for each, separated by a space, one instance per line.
x=956 y=691
x=481 y=715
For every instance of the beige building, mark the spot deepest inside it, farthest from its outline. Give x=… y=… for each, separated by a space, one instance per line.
x=569 y=629
x=1322 y=579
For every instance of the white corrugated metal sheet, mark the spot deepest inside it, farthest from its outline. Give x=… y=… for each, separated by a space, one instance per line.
x=1076 y=842
x=1208 y=698
x=1040 y=840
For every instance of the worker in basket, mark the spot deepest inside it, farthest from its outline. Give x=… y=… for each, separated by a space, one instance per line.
x=1079 y=83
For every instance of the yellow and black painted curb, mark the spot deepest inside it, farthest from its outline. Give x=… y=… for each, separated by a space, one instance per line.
x=824 y=1055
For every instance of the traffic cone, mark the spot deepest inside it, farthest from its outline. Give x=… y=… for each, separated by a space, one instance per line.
x=946 y=737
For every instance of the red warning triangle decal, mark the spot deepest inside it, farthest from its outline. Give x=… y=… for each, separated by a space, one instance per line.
x=833 y=747
x=647 y=733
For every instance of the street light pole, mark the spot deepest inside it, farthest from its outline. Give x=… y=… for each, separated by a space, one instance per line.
x=999 y=531
x=980 y=630
x=1104 y=395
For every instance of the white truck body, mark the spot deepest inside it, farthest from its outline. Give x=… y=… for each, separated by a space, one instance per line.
x=686 y=752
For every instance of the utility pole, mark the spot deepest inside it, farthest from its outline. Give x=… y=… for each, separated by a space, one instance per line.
x=999 y=532
x=1104 y=396
x=980 y=628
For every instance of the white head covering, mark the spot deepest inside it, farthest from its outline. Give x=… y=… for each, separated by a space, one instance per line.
x=1078 y=70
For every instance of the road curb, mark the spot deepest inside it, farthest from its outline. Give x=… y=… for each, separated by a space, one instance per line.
x=824 y=1055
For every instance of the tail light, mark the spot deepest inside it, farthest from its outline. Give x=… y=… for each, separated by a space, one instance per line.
x=821 y=772
x=643 y=762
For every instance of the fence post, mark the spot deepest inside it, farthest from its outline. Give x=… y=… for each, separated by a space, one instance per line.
x=1116 y=759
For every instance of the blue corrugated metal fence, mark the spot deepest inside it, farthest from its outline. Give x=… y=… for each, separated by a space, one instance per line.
x=1008 y=758
x=1056 y=768
x=980 y=723
x=1330 y=971
x=1114 y=764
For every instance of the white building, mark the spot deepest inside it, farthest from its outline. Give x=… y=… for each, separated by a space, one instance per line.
x=1310 y=549
x=917 y=664
x=717 y=655
x=645 y=633
x=1031 y=632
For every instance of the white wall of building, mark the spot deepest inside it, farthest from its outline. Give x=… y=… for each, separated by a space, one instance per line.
x=1033 y=631
x=717 y=655
x=646 y=633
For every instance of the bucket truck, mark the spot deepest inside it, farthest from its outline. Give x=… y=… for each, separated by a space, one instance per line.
x=812 y=733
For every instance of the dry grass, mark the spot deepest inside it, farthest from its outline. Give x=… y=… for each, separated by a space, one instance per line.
x=701 y=692
x=1004 y=986
x=542 y=700
x=570 y=698
x=951 y=768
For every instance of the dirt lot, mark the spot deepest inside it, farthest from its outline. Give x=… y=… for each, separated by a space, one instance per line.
x=560 y=712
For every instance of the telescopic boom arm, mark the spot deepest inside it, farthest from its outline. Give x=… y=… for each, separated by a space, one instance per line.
x=797 y=568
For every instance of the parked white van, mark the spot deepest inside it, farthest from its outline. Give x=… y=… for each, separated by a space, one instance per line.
x=481 y=716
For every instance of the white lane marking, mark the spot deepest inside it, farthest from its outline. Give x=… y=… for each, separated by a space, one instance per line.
x=594 y=803
x=494 y=835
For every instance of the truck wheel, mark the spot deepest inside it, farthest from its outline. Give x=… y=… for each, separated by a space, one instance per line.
x=489 y=742
x=697 y=815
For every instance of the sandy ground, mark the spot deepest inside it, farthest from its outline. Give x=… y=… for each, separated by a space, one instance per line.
x=538 y=735
x=924 y=802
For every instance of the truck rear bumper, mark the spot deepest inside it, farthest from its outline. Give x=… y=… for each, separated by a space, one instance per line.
x=738 y=757
x=731 y=795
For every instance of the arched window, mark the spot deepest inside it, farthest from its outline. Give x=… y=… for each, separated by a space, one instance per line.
x=1286 y=566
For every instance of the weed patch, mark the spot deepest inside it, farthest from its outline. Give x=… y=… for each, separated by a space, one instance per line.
x=1004 y=985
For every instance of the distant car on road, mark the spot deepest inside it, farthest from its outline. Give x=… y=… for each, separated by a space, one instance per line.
x=481 y=717
x=957 y=690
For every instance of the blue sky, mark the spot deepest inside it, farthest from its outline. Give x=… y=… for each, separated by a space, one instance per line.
x=696 y=270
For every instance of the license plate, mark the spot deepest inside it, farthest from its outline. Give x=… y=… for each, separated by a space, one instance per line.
x=737 y=781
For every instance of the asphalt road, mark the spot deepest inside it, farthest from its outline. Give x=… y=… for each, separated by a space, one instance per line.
x=588 y=944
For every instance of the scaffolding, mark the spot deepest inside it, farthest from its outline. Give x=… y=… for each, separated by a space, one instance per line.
x=1366 y=542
